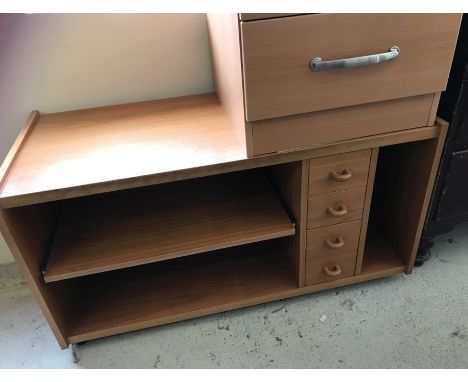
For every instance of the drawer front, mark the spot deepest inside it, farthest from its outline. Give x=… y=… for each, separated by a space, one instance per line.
x=338 y=172
x=335 y=207
x=331 y=252
x=277 y=53
x=329 y=268
x=329 y=126
x=338 y=239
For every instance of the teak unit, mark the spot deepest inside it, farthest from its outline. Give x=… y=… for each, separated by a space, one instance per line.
x=130 y=216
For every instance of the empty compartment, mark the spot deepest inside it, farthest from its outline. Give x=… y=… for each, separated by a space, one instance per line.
x=154 y=294
x=400 y=196
x=134 y=227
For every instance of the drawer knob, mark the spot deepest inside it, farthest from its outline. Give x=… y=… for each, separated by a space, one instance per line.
x=342 y=176
x=338 y=211
x=355 y=62
x=335 y=243
x=333 y=271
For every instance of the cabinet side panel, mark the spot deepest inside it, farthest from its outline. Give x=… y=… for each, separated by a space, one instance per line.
x=227 y=68
x=28 y=231
x=366 y=210
x=291 y=182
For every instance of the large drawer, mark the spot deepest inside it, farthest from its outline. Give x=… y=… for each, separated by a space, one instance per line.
x=277 y=53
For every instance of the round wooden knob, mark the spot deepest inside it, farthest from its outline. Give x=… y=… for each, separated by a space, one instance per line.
x=333 y=271
x=339 y=211
x=342 y=176
x=335 y=243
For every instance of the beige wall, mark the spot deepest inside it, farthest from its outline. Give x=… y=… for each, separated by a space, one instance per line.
x=63 y=62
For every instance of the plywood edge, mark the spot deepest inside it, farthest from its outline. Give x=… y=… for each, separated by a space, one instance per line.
x=17 y=145
x=434 y=107
x=443 y=128
x=366 y=210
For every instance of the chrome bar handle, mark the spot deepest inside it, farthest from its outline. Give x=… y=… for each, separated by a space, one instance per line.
x=355 y=62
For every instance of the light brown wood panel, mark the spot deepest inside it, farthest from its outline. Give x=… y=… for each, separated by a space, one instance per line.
x=326 y=173
x=87 y=147
x=366 y=208
x=70 y=154
x=17 y=146
x=277 y=53
x=225 y=51
x=291 y=182
x=322 y=127
x=348 y=203
x=137 y=227
x=434 y=107
x=27 y=232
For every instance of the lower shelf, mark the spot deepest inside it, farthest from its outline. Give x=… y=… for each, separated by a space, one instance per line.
x=379 y=257
x=184 y=288
x=155 y=294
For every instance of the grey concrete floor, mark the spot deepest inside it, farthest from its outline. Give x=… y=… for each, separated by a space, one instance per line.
x=417 y=321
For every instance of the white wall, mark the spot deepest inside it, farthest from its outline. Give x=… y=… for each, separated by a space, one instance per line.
x=64 y=62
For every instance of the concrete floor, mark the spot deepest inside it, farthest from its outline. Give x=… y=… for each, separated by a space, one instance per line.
x=417 y=321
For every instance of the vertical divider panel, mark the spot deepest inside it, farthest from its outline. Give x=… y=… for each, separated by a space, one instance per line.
x=291 y=181
x=366 y=210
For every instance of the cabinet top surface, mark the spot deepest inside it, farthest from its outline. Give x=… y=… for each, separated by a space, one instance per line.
x=102 y=145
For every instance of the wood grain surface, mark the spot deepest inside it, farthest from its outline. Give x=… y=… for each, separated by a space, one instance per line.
x=320 y=170
x=277 y=53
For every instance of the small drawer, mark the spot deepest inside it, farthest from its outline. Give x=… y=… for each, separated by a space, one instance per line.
x=329 y=267
x=335 y=207
x=338 y=172
x=338 y=239
x=414 y=57
x=331 y=252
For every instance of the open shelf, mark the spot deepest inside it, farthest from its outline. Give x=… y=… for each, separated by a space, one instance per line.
x=140 y=226
x=184 y=288
x=379 y=257
x=83 y=152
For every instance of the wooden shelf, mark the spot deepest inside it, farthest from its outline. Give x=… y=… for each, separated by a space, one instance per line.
x=140 y=226
x=84 y=152
x=380 y=259
x=110 y=148
x=155 y=294
x=161 y=293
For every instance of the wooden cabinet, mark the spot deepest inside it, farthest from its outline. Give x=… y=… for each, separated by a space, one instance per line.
x=130 y=216
x=349 y=94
